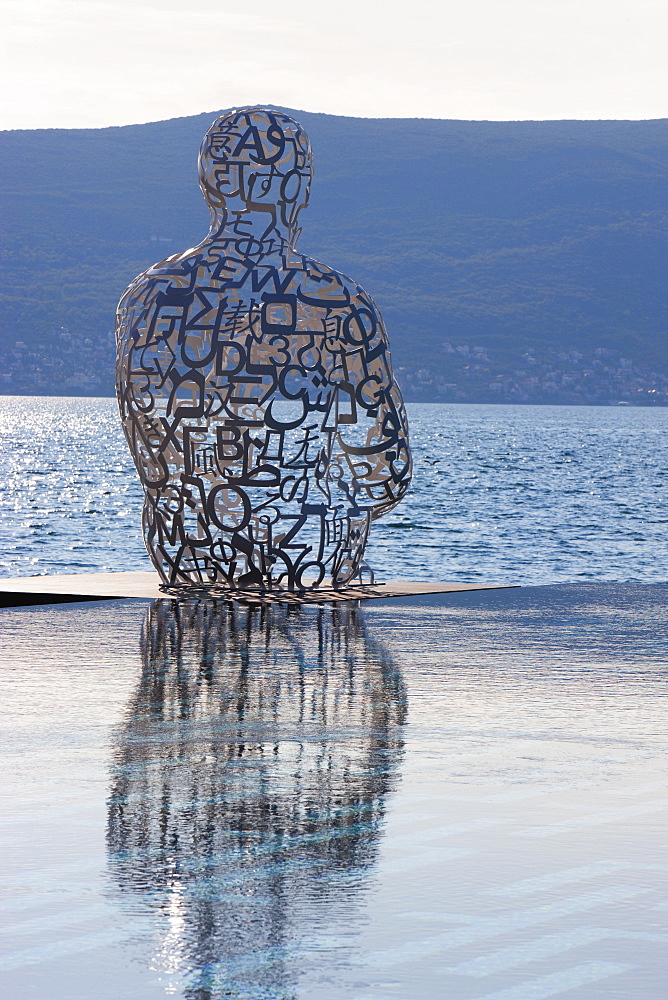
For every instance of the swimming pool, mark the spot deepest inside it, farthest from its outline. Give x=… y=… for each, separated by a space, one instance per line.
x=452 y=796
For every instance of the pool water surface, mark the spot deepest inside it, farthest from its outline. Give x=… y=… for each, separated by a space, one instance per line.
x=458 y=796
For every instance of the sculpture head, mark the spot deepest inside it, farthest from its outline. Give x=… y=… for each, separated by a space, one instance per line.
x=255 y=168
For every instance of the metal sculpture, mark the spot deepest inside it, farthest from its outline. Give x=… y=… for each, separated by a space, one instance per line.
x=255 y=385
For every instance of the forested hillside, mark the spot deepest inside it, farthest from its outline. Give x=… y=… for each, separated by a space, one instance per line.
x=513 y=261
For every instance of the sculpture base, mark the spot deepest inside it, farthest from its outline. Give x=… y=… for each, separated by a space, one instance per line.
x=28 y=590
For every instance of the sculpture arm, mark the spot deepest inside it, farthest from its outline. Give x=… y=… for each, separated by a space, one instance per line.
x=372 y=435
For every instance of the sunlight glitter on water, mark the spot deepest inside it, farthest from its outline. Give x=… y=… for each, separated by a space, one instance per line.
x=501 y=494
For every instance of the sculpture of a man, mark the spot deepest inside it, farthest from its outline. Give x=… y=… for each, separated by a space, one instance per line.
x=255 y=385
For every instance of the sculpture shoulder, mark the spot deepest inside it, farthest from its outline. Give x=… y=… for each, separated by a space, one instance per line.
x=334 y=290
x=207 y=270
x=175 y=271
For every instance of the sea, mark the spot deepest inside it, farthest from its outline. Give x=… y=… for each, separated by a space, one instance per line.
x=501 y=494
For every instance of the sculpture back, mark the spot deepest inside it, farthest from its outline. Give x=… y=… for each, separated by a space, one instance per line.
x=255 y=385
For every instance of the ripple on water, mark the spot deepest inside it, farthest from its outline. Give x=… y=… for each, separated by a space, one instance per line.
x=522 y=494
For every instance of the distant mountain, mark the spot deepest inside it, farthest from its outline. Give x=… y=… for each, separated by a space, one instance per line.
x=514 y=261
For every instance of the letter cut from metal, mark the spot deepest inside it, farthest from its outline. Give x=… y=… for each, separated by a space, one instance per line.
x=255 y=386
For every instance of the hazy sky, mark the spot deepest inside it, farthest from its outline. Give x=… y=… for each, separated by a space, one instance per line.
x=77 y=63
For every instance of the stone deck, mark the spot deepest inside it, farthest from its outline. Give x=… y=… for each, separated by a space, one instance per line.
x=27 y=590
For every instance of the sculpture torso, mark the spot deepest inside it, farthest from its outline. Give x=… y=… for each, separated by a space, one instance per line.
x=256 y=389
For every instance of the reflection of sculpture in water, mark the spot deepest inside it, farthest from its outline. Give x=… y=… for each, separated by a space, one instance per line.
x=255 y=385
x=249 y=781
